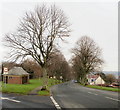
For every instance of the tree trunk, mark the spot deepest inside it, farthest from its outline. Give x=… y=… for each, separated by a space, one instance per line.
x=84 y=80
x=45 y=78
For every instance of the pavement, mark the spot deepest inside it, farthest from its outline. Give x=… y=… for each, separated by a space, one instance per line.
x=72 y=95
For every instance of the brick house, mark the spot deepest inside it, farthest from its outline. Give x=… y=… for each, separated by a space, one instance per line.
x=16 y=75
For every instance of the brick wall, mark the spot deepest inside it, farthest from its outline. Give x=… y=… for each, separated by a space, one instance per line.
x=14 y=80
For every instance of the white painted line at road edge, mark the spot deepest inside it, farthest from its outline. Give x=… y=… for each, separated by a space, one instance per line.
x=92 y=93
x=112 y=99
x=55 y=103
x=10 y=99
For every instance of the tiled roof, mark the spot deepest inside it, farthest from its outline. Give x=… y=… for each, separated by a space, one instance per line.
x=17 y=71
x=93 y=76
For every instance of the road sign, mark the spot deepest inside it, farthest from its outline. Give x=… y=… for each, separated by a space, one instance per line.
x=5 y=70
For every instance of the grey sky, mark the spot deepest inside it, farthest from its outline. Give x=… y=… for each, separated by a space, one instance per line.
x=98 y=20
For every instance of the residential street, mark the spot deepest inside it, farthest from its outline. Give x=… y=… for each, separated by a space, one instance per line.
x=72 y=95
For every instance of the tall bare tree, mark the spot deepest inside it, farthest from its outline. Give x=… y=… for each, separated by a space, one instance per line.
x=87 y=57
x=58 y=66
x=37 y=33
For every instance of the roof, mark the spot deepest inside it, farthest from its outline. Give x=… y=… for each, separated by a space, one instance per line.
x=17 y=71
x=93 y=76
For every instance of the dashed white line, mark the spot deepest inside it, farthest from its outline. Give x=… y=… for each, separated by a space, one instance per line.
x=92 y=93
x=10 y=99
x=55 y=103
x=112 y=99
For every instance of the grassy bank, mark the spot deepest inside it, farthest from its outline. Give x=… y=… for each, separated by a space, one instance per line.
x=104 y=88
x=26 y=88
x=51 y=82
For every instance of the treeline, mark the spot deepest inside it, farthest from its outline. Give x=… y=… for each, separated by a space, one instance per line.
x=87 y=59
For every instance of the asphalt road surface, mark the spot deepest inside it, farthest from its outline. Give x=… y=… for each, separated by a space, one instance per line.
x=72 y=95
x=19 y=102
x=64 y=96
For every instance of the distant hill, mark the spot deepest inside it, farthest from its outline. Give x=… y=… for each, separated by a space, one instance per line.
x=116 y=73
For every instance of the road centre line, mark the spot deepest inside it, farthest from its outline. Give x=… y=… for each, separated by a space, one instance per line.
x=55 y=103
x=92 y=93
x=10 y=99
x=112 y=99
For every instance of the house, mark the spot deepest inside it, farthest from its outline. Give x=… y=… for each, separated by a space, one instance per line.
x=95 y=79
x=16 y=75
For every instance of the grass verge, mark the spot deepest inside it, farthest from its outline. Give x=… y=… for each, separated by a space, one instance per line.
x=104 y=88
x=51 y=82
x=26 y=88
x=21 y=88
x=44 y=93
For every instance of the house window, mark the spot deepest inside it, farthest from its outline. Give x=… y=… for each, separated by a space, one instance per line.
x=10 y=77
x=92 y=80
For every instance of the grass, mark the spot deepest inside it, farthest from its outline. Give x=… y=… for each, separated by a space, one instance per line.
x=51 y=82
x=21 y=88
x=26 y=88
x=44 y=93
x=104 y=88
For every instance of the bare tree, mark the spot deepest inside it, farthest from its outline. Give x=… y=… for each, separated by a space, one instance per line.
x=58 y=66
x=37 y=34
x=87 y=58
x=32 y=67
x=110 y=78
x=9 y=65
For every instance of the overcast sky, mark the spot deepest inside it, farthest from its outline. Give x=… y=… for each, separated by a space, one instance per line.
x=98 y=20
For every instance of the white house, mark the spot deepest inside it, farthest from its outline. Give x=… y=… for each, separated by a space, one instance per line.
x=95 y=79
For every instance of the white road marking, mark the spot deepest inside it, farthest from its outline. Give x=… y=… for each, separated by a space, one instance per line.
x=92 y=93
x=55 y=103
x=10 y=99
x=112 y=99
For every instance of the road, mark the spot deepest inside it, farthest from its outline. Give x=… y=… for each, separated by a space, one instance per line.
x=72 y=95
x=66 y=95
x=30 y=102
